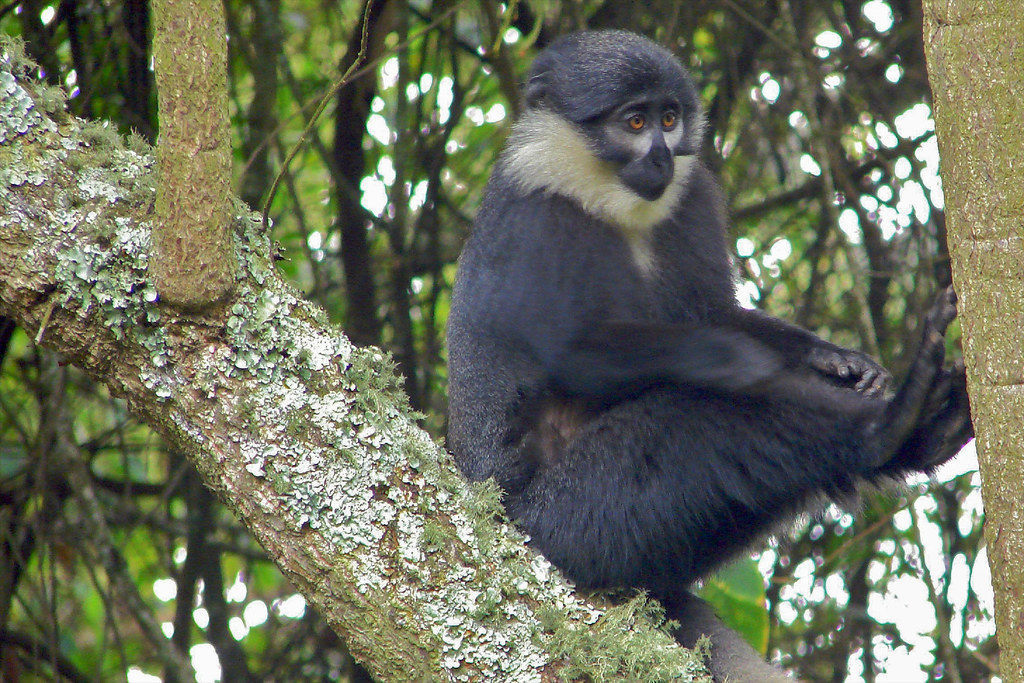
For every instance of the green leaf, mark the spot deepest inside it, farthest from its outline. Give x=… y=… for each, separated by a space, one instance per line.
x=738 y=596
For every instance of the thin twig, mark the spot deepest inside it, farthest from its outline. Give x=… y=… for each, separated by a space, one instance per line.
x=350 y=75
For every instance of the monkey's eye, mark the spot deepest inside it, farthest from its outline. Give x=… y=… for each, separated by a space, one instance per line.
x=668 y=119
x=637 y=121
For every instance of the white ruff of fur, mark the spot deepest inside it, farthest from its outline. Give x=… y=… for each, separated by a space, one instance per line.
x=545 y=152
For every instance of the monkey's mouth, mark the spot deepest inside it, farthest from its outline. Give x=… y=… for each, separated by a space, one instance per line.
x=649 y=186
x=649 y=175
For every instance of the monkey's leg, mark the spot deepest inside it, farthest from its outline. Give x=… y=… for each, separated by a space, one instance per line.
x=661 y=489
x=945 y=426
x=730 y=657
x=904 y=412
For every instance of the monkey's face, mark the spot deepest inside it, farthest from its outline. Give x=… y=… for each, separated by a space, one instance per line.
x=635 y=105
x=640 y=138
x=613 y=122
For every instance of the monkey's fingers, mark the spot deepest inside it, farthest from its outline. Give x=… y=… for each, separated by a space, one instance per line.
x=943 y=311
x=873 y=382
x=945 y=428
x=851 y=369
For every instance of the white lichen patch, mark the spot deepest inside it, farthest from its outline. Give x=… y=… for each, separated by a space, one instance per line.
x=113 y=283
x=410 y=538
x=18 y=112
x=497 y=649
x=134 y=237
x=17 y=171
x=16 y=175
x=319 y=350
x=94 y=183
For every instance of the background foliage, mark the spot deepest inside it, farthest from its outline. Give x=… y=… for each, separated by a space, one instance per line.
x=820 y=128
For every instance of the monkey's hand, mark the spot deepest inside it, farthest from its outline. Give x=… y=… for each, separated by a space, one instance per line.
x=847 y=367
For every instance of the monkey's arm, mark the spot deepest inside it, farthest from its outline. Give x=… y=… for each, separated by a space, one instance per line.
x=801 y=348
x=615 y=358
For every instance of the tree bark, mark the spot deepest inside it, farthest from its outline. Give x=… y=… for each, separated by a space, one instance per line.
x=192 y=257
x=306 y=439
x=976 y=68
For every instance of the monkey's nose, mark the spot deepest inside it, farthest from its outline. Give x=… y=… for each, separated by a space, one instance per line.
x=649 y=175
x=661 y=158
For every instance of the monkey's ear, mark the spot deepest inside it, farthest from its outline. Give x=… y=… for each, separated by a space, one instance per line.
x=536 y=88
x=693 y=135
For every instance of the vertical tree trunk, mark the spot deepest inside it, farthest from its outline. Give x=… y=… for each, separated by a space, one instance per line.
x=976 y=67
x=362 y=323
x=191 y=240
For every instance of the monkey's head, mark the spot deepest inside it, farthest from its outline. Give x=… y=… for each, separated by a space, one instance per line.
x=612 y=120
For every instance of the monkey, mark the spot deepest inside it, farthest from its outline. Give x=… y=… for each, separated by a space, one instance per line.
x=646 y=429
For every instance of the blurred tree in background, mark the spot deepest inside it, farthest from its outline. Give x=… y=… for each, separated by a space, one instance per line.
x=821 y=130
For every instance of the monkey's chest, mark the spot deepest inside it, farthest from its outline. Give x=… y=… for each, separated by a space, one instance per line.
x=675 y=302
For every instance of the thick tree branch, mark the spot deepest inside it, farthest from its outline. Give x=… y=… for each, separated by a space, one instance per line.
x=306 y=438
